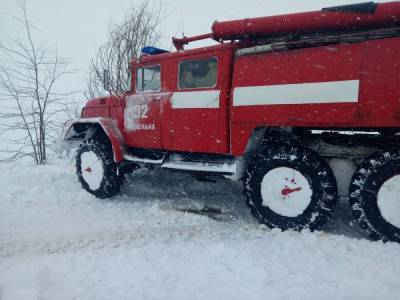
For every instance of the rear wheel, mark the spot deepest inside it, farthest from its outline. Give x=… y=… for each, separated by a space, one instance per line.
x=96 y=169
x=291 y=188
x=375 y=195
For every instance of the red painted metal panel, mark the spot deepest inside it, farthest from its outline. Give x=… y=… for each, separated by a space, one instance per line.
x=196 y=129
x=94 y=112
x=225 y=108
x=116 y=138
x=111 y=130
x=142 y=120
x=169 y=75
x=375 y=63
x=99 y=107
x=380 y=84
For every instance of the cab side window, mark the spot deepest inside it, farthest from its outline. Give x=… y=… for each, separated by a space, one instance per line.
x=148 y=79
x=200 y=73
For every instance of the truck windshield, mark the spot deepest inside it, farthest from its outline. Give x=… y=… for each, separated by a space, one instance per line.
x=148 y=79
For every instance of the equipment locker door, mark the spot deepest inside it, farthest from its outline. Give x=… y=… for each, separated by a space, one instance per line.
x=195 y=119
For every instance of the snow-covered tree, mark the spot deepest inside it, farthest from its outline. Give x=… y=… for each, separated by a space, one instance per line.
x=30 y=103
x=139 y=28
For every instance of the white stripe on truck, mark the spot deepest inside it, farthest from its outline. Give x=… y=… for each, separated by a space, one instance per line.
x=195 y=99
x=303 y=93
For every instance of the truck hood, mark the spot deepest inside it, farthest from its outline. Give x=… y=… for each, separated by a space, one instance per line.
x=100 y=102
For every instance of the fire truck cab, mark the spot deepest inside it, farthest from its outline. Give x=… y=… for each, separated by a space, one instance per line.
x=181 y=100
x=284 y=103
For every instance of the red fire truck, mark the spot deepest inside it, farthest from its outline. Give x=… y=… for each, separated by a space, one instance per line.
x=283 y=103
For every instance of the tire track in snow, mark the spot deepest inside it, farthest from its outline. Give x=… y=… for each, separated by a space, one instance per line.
x=25 y=244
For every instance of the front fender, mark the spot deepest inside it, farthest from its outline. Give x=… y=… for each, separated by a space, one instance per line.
x=83 y=128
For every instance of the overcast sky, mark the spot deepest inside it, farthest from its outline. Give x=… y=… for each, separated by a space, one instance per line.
x=78 y=27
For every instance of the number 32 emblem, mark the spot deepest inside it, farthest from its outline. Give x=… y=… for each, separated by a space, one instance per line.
x=140 y=111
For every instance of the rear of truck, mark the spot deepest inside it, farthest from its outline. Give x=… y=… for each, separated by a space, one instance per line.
x=319 y=95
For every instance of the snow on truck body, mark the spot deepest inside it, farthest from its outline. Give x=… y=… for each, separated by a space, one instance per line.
x=276 y=93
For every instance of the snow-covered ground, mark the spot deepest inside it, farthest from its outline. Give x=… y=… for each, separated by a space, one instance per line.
x=58 y=242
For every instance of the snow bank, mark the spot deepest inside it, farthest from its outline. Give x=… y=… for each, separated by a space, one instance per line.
x=58 y=242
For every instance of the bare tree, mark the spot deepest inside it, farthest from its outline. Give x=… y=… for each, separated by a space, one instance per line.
x=140 y=27
x=30 y=104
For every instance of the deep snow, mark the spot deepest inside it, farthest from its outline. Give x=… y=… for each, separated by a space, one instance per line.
x=58 y=242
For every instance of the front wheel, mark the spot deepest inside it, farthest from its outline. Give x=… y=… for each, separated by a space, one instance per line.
x=291 y=188
x=96 y=169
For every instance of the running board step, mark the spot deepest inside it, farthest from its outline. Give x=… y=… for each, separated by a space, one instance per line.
x=136 y=159
x=220 y=168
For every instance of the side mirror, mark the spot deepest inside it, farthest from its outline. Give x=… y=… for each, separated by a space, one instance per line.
x=106 y=80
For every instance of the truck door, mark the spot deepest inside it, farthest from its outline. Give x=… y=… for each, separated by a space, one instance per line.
x=142 y=110
x=195 y=120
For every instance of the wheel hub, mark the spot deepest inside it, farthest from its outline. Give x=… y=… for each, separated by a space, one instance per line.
x=286 y=192
x=388 y=201
x=92 y=169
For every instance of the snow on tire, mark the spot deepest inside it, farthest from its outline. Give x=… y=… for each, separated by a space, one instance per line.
x=96 y=169
x=291 y=188
x=374 y=195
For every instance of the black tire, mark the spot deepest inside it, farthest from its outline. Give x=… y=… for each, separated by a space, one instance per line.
x=110 y=182
x=316 y=172
x=366 y=183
